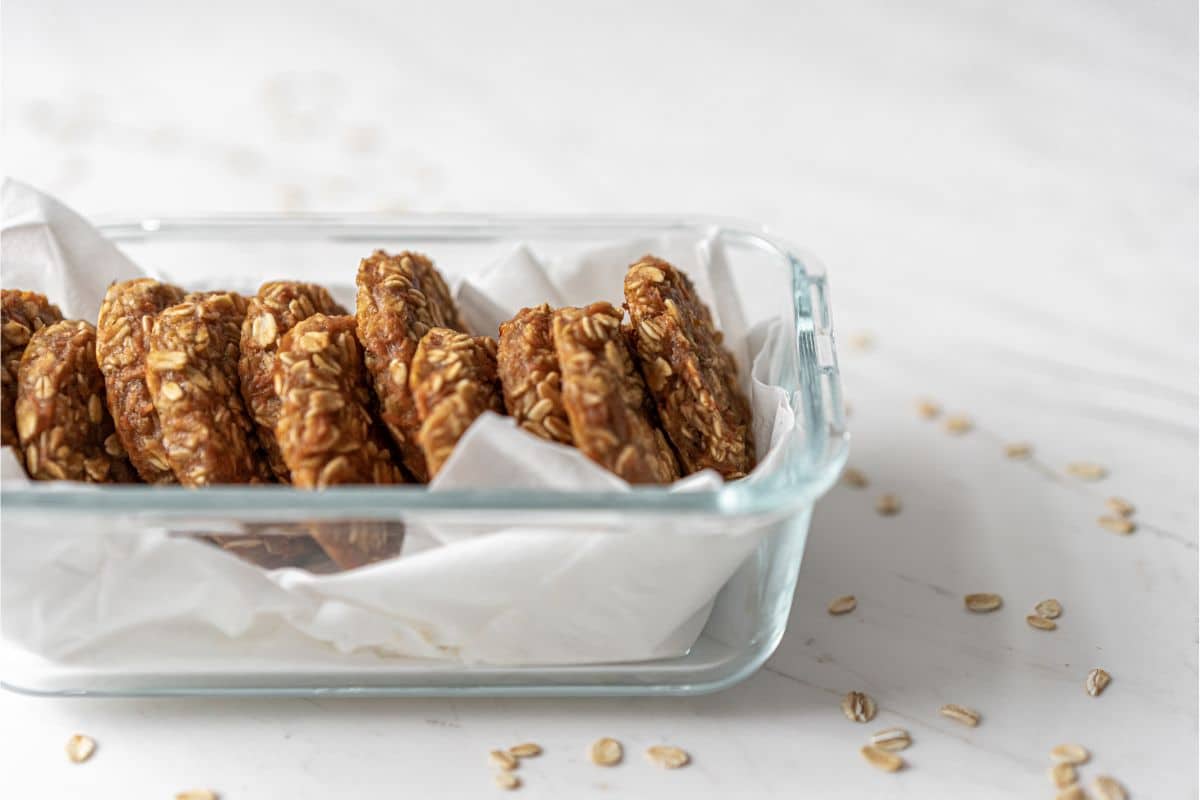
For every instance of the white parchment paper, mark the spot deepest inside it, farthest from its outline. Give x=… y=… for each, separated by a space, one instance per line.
x=501 y=595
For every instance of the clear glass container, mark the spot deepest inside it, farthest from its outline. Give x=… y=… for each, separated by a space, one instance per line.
x=746 y=620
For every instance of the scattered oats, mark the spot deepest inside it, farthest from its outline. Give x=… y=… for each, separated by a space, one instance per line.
x=881 y=759
x=862 y=341
x=196 y=794
x=1041 y=623
x=928 y=409
x=888 y=504
x=858 y=707
x=891 y=739
x=967 y=716
x=1107 y=788
x=606 y=752
x=80 y=748
x=982 y=603
x=668 y=757
x=843 y=605
x=1119 y=525
x=1018 y=450
x=1069 y=754
x=1122 y=508
x=1097 y=681
x=1072 y=792
x=959 y=424
x=854 y=477
x=1050 y=609
x=506 y=780
x=1063 y=775
x=1086 y=470
x=526 y=750
x=503 y=760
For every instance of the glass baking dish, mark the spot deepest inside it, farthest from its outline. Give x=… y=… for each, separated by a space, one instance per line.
x=737 y=633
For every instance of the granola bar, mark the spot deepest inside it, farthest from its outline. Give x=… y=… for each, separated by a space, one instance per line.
x=528 y=368
x=612 y=418
x=191 y=374
x=453 y=381
x=22 y=314
x=122 y=341
x=276 y=309
x=692 y=377
x=65 y=429
x=326 y=433
x=399 y=299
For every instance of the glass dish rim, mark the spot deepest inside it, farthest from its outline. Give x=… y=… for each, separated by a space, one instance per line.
x=824 y=451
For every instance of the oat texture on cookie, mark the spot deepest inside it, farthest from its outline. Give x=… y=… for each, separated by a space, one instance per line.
x=529 y=374
x=22 y=314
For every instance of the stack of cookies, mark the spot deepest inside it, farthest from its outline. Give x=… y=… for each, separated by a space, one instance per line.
x=288 y=387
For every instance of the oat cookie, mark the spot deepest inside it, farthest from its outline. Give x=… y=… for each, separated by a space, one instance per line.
x=65 y=429
x=529 y=374
x=326 y=433
x=453 y=381
x=691 y=376
x=22 y=314
x=276 y=309
x=191 y=374
x=612 y=417
x=285 y=547
x=399 y=299
x=122 y=342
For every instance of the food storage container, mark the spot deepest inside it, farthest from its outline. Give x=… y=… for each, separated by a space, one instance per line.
x=86 y=527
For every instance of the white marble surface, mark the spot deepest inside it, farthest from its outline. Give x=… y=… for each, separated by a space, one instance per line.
x=1005 y=194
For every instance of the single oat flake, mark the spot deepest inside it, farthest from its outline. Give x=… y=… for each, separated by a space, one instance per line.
x=881 y=759
x=1063 y=775
x=1049 y=608
x=1120 y=507
x=1041 y=623
x=1069 y=754
x=502 y=759
x=891 y=739
x=1106 y=788
x=959 y=424
x=855 y=478
x=928 y=409
x=982 y=603
x=1072 y=792
x=606 y=752
x=1119 y=525
x=858 y=707
x=843 y=605
x=506 y=780
x=80 y=748
x=966 y=716
x=668 y=757
x=196 y=794
x=526 y=750
x=1086 y=470
x=888 y=505
x=1097 y=681
x=1018 y=450
x=862 y=341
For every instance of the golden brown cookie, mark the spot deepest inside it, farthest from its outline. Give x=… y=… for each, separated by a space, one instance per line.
x=528 y=367
x=691 y=376
x=326 y=433
x=276 y=309
x=64 y=426
x=284 y=547
x=122 y=341
x=22 y=314
x=612 y=417
x=191 y=375
x=399 y=299
x=453 y=381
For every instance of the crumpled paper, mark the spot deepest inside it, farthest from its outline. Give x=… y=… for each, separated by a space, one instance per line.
x=111 y=592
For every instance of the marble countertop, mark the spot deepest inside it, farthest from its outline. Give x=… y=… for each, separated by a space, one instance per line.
x=1005 y=196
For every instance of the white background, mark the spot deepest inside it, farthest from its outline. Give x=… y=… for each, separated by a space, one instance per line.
x=1005 y=194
